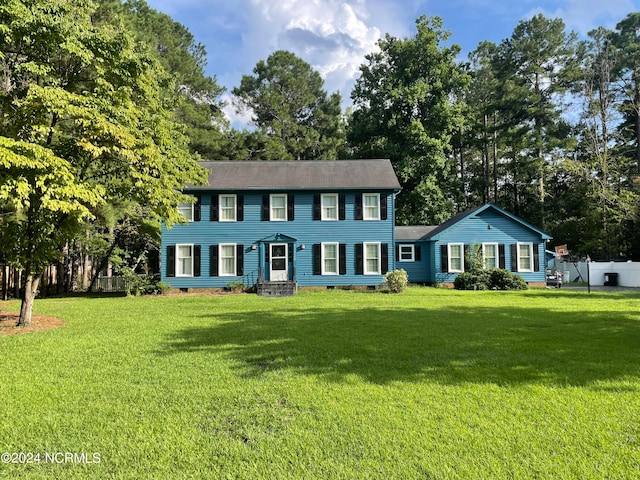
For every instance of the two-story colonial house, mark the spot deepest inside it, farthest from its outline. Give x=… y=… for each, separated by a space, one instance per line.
x=279 y=225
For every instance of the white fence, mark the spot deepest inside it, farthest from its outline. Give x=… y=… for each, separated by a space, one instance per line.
x=628 y=273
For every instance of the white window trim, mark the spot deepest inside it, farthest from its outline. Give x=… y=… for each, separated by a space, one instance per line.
x=322 y=258
x=364 y=258
x=235 y=260
x=235 y=207
x=520 y=269
x=484 y=254
x=322 y=215
x=178 y=263
x=450 y=257
x=364 y=206
x=271 y=197
x=185 y=205
x=412 y=251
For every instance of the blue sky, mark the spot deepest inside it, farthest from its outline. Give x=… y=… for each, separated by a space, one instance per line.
x=334 y=35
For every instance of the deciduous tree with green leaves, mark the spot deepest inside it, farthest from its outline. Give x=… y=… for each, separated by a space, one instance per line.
x=85 y=119
x=406 y=109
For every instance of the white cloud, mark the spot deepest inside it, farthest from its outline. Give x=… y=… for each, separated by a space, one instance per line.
x=585 y=15
x=333 y=36
x=238 y=120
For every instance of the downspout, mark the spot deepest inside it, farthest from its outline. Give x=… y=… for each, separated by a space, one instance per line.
x=393 y=229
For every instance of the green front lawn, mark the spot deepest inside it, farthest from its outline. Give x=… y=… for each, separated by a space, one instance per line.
x=427 y=384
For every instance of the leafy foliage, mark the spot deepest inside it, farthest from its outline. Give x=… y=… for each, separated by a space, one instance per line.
x=85 y=121
x=296 y=120
x=396 y=280
x=406 y=109
x=477 y=277
x=489 y=279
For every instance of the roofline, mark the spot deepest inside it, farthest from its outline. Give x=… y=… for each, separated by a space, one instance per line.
x=394 y=187
x=475 y=211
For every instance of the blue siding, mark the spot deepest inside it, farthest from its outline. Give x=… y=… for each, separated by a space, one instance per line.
x=418 y=271
x=306 y=230
x=489 y=226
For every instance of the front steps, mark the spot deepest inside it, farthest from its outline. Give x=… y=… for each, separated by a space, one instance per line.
x=276 y=289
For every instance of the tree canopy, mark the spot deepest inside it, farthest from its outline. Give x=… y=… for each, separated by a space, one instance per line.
x=86 y=119
x=295 y=118
x=406 y=108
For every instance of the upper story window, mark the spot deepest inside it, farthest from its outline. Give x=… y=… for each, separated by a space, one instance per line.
x=329 y=205
x=186 y=210
x=490 y=255
x=371 y=206
x=278 y=207
x=456 y=257
x=406 y=253
x=227 y=205
x=525 y=257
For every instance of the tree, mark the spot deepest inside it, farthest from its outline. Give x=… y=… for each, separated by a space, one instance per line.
x=532 y=68
x=627 y=41
x=296 y=120
x=198 y=107
x=85 y=120
x=406 y=108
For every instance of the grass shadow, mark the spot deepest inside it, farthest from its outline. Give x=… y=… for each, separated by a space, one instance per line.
x=452 y=345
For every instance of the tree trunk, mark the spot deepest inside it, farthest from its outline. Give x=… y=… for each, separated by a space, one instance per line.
x=30 y=292
x=5 y=282
x=105 y=261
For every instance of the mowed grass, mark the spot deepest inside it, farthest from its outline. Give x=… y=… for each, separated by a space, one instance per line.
x=429 y=384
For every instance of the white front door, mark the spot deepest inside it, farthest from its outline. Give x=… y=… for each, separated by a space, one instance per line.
x=279 y=272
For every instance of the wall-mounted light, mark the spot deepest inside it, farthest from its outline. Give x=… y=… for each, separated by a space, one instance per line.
x=489 y=226
x=302 y=246
x=254 y=247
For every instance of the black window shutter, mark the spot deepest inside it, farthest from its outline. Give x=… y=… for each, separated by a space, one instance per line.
x=384 y=257
x=265 y=208
x=214 y=208
x=514 y=257
x=359 y=259
x=444 y=258
x=536 y=258
x=467 y=257
x=267 y=255
x=341 y=207
x=502 y=263
x=416 y=250
x=317 y=259
x=290 y=208
x=239 y=260
x=342 y=259
x=171 y=261
x=358 y=206
x=291 y=246
x=196 y=260
x=398 y=252
x=383 y=206
x=317 y=212
x=196 y=209
x=213 y=260
x=240 y=208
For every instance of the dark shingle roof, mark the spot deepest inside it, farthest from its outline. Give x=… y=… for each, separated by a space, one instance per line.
x=301 y=175
x=414 y=232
